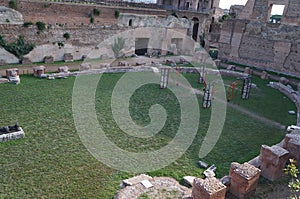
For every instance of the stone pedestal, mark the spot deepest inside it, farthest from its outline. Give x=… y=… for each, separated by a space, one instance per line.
x=273 y=160
x=292 y=144
x=12 y=72
x=39 y=70
x=244 y=179
x=209 y=188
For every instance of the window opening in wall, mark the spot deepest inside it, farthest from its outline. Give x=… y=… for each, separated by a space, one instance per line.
x=276 y=13
x=130 y=22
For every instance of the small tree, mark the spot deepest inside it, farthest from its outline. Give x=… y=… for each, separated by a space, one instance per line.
x=40 y=25
x=294 y=183
x=96 y=12
x=67 y=35
x=118 y=46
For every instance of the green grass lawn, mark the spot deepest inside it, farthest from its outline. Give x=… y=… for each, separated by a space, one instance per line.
x=51 y=162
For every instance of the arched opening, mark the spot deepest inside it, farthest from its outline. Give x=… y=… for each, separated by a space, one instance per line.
x=195 y=28
x=185 y=17
x=130 y=22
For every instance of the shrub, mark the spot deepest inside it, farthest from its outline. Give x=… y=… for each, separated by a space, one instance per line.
x=214 y=53
x=40 y=25
x=92 y=19
x=7 y=20
x=27 y=24
x=117 y=14
x=96 y=12
x=67 y=35
x=13 y=4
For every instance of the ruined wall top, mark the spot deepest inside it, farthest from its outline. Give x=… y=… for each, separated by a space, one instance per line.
x=245 y=170
x=261 y=10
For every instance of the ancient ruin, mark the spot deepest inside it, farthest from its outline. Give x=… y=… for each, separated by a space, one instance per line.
x=273 y=160
x=209 y=188
x=250 y=38
x=244 y=179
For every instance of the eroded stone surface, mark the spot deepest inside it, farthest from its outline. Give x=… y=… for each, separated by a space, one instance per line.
x=244 y=179
x=208 y=188
x=273 y=160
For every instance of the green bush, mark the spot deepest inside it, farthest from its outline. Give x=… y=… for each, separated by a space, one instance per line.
x=117 y=14
x=18 y=48
x=96 y=12
x=214 y=53
x=27 y=24
x=7 y=20
x=67 y=35
x=92 y=19
x=40 y=25
x=13 y=4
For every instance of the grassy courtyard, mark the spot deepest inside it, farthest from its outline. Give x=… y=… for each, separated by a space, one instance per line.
x=52 y=162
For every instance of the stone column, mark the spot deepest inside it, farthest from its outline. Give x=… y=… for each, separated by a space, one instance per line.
x=292 y=144
x=208 y=188
x=244 y=179
x=273 y=160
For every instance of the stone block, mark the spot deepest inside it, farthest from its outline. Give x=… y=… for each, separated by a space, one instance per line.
x=292 y=144
x=68 y=57
x=208 y=188
x=38 y=71
x=273 y=160
x=85 y=66
x=63 y=69
x=284 y=81
x=244 y=179
x=25 y=60
x=48 y=59
x=248 y=71
x=264 y=75
x=12 y=72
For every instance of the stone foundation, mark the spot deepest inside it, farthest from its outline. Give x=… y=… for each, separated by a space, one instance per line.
x=292 y=144
x=273 y=160
x=209 y=188
x=244 y=179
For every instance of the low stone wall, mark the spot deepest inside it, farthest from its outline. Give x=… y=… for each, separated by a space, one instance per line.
x=291 y=94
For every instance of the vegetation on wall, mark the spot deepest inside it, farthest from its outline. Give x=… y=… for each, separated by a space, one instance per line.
x=26 y=24
x=117 y=14
x=294 y=184
x=96 y=12
x=118 y=46
x=202 y=39
x=18 y=48
x=13 y=4
x=67 y=35
x=40 y=25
